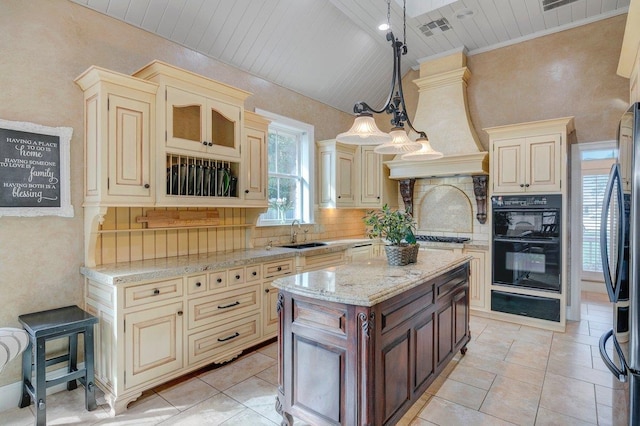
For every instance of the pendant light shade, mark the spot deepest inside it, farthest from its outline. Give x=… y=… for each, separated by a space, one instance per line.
x=424 y=153
x=400 y=143
x=364 y=132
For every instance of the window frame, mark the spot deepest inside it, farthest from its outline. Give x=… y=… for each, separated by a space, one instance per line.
x=306 y=161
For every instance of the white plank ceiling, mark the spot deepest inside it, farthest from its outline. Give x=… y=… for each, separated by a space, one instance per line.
x=331 y=50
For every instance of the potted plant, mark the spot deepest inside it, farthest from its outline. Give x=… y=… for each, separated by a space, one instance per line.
x=396 y=227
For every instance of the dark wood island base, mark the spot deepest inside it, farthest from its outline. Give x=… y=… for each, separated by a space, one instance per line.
x=346 y=364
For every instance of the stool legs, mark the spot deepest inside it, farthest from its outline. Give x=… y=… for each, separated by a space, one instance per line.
x=89 y=386
x=40 y=389
x=73 y=360
x=25 y=400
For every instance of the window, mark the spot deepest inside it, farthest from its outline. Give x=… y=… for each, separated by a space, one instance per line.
x=290 y=166
x=595 y=175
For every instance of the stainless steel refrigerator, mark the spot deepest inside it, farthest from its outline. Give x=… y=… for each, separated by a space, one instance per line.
x=620 y=248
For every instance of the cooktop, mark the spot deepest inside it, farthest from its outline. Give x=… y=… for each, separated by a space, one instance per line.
x=441 y=239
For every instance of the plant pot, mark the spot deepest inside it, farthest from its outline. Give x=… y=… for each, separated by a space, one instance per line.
x=402 y=255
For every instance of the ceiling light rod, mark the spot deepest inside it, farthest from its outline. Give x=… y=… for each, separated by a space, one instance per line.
x=364 y=130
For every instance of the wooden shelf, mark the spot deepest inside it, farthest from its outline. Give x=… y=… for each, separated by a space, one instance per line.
x=117 y=231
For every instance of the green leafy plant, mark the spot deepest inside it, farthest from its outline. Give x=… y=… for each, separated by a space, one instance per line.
x=395 y=226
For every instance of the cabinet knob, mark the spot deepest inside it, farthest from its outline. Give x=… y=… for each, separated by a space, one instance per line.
x=210 y=144
x=266 y=290
x=378 y=197
x=254 y=273
x=522 y=185
x=204 y=143
x=180 y=313
x=237 y=277
x=339 y=196
x=147 y=186
x=246 y=191
x=198 y=284
x=219 y=280
x=156 y=291
x=279 y=268
x=526 y=185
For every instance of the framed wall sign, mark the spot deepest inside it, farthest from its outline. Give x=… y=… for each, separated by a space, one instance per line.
x=34 y=170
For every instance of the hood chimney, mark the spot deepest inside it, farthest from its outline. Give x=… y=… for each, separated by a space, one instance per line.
x=443 y=114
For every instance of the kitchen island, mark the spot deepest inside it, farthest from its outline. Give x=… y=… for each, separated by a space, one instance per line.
x=358 y=344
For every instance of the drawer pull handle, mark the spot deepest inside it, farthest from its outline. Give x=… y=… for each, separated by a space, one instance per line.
x=180 y=313
x=156 y=291
x=236 y=303
x=279 y=268
x=198 y=284
x=219 y=280
x=233 y=336
x=254 y=273
x=237 y=277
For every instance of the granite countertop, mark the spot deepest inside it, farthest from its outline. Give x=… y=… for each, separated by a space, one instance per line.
x=154 y=269
x=370 y=282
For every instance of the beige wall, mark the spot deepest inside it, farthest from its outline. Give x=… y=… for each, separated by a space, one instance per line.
x=571 y=73
x=45 y=44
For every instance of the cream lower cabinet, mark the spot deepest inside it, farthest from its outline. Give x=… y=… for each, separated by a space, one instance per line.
x=479 y=279
x=155 y=339
x=271 y=271
x=152 y=332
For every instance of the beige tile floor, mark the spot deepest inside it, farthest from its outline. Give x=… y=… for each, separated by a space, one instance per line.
x=511 y=374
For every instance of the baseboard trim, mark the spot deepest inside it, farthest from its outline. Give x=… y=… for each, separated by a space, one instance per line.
x=10 y=394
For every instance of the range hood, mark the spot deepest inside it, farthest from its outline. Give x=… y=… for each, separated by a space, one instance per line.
x=443 y=114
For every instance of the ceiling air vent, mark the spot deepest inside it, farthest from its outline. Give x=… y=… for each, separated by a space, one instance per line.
x=435 y=27
x=552 y=4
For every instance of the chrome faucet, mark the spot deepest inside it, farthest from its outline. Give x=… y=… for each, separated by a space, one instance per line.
x=294 y=234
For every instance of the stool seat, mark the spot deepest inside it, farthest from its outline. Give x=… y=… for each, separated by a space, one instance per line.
x=53 y=324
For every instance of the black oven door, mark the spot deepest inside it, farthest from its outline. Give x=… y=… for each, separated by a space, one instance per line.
x=530 y=263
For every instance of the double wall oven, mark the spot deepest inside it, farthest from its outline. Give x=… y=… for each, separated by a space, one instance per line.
x=527 y=254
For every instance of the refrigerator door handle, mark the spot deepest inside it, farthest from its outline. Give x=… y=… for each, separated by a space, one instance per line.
x=614 y=184
x=619 y=372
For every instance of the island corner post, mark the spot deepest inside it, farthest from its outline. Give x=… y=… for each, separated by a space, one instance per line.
x=364 y=363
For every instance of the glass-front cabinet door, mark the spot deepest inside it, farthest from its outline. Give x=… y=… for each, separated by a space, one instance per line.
x=200 y=124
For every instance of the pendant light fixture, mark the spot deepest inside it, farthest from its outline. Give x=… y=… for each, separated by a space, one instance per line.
x=364 y=130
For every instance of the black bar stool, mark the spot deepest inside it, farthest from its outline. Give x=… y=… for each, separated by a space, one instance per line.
x=48 y=325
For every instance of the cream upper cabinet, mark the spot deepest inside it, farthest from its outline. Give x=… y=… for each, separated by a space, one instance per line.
x=119 y=138
x=254 y=159
x=201 y=124
x=353 y=176
x=376 y=189
x=201 y=133
x=530 y=157
x=337 y=174
x=197 y=115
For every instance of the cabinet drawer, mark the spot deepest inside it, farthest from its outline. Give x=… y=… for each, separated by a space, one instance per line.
x=399 y=312
x=326 y=260
x=152 y=292
x=196 y=284
x=209 y=309
x=217 y=280
x=236 y=334
x=236 y=276
x=253 y=273
x=279 y=268
x=458 y=277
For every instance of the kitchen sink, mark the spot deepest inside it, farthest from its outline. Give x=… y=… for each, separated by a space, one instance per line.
x=304 y=245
